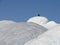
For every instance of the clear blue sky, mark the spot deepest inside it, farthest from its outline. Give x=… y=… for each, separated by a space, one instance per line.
x=21 y=10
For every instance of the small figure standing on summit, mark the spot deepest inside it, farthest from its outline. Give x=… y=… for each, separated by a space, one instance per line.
x=38 y=14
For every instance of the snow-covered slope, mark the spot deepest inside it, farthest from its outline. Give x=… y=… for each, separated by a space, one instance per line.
x=18 y=33
x=38 y=28
x=51 y=37
x=43 y=21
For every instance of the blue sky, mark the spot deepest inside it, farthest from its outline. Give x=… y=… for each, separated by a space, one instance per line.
x=21 y=10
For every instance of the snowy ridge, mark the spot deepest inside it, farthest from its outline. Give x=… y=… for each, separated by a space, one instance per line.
x=18 y=33
x=36 y=31
x=42 y=21
x=51 y=37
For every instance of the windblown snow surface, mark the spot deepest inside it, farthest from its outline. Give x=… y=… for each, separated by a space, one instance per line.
x=51 y=37
x=18 y=33
x=36 y=31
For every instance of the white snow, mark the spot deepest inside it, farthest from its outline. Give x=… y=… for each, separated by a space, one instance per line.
x=50 y=24
x=18 y=33
x=13 y=33
x=51 y=37
x=38 y=20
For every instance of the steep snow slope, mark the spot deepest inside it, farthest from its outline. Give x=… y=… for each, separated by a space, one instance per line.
x=51 y=37
x=43 y=21
x=19 y=33
x=12 y=33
